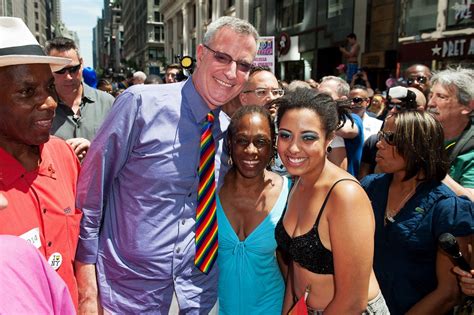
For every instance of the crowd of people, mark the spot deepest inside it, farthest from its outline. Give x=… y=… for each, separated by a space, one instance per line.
x=230 y=192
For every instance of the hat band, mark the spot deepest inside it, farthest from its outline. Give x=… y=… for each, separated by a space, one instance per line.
x=34 y=50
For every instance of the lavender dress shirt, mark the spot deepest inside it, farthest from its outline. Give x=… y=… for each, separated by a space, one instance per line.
x=138 y=192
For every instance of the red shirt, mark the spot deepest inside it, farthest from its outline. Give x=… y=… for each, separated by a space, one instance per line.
x=41 y=205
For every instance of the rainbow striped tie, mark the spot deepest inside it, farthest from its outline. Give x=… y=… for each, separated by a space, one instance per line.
x=206 y=221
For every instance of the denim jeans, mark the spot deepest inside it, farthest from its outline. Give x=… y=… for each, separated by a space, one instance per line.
x=376 y=306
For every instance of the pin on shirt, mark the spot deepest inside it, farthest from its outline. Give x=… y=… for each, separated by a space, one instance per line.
x=55 y=260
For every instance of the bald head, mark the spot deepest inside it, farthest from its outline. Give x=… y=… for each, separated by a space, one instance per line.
x=266 y=85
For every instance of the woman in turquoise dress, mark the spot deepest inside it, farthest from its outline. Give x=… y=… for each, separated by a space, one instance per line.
x=249 y=205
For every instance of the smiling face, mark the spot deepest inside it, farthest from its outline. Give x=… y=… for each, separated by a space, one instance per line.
x=217 y=82
x=28 y=102
x=251 y=145
x=302 y=142
x=388 y=158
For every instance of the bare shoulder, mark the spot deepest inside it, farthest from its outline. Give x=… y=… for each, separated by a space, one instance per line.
x=348 y=196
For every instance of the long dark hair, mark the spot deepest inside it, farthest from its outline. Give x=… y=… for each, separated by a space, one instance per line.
x=419 y=138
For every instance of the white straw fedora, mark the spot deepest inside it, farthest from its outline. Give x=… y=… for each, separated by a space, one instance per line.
x=18 y=46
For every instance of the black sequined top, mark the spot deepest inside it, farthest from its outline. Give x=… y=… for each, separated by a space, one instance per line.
x=307 y=249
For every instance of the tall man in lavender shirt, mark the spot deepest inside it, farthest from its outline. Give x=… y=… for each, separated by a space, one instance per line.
x=138 y=185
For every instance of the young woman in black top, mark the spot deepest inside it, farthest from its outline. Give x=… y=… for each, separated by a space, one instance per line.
x=326 y=235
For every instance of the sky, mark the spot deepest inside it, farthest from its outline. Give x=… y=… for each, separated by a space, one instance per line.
x=81 y=16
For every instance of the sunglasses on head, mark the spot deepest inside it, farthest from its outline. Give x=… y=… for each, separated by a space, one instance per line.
x=357 y=100
x=71 y=70
x=388 y=136
x=420 y=79
x=225 y=59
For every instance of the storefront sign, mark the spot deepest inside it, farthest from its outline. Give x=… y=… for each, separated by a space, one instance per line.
x=453 y=47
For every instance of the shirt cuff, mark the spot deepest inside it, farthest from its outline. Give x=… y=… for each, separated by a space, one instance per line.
x=87 y=251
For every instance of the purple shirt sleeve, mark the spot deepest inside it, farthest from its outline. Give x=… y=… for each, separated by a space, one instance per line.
x=28 y=285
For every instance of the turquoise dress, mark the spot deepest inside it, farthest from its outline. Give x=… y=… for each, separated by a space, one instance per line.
x=250 y=281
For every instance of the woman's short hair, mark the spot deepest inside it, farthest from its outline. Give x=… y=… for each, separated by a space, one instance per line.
x=332 y=113
x=251 y=109
x=419 y=138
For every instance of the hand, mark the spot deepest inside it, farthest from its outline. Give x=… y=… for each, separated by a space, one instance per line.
x=87 y=287
x=80 y=146
x=466 y=280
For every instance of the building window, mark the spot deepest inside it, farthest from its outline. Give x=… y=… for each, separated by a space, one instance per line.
x=335 y=8
x=157 y=2
x=420 y=16
x=460 y=14
x=230 y=3
x=153 y=54
x=159 y=33
x=36 y=5
x=257 y=18
x=291 y=12
x=209 y=10
x=157 y=16
x=194 y=14
x=37 y=28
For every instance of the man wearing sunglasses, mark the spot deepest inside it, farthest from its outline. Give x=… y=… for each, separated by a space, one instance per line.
x=81 y=108
x=418 y=76
x=139 y=185
x=359 y=97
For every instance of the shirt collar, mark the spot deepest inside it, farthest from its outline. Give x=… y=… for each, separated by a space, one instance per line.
x=195 y=102
x=87 y=96
x=11 y=169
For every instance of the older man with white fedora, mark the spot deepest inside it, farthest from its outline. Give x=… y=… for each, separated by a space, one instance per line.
x=38 y=173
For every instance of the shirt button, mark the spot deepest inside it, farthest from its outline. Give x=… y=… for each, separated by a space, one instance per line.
x=183 y=222
x=44 y=210
x=22 y=175
x=190 y=194
x=49 y=244
x=178 y=250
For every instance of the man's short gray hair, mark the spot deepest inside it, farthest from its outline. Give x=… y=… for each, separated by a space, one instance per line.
x=459 y=79
x=237 y=25
x=139 y=75
x=343 y=87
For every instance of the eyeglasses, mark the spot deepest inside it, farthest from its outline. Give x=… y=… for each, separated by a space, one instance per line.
x=225 y=59
x=357 y=100
x=263 y=92
x=420 y=79
x=388 y=136
x=71 y=70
